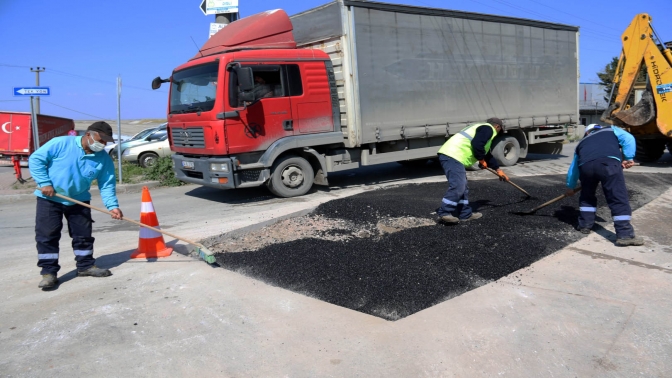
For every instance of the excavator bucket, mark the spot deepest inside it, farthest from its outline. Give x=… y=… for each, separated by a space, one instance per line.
x=606 y=115
x=642 y=113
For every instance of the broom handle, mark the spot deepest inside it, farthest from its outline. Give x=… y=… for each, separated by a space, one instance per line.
x=555 y=200
x=509 y=181
x=127 y=220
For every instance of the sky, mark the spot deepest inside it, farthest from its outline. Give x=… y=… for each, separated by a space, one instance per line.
x=86 y=45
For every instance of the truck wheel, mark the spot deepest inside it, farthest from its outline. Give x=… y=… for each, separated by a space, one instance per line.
x=291 y=176
x=148 y=159
x=551 y=148
x=506 y=150
x=649 y=150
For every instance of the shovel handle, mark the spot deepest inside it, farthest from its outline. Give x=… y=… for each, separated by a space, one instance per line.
x=509 y=181
x=126 y=219
x=554 y=200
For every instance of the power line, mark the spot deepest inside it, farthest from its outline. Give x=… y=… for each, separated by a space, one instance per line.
x=68 y=74
x=72 y=110
x=580 y=18
x=13 y=65
x=63 y=73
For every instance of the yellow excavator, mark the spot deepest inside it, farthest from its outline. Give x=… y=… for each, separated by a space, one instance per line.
x=650 y=118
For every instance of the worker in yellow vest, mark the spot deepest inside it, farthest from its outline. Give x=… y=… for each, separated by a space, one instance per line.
x=472 y=144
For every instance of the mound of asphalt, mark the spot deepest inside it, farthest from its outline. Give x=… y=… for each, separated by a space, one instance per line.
x=398 y=274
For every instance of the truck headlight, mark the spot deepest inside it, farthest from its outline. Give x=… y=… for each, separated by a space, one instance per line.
x=219 y=167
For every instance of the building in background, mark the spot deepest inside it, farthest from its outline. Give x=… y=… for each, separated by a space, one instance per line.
x=591 y=103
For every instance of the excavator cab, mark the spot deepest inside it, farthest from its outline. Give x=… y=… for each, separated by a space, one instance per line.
x=649 y=119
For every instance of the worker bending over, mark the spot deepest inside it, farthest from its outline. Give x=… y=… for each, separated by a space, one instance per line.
x=598 y=160
x=472 y=144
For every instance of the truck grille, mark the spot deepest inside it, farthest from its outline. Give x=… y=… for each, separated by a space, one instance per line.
x=191 y=137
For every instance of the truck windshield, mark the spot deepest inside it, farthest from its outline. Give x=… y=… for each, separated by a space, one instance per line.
x=194 y=89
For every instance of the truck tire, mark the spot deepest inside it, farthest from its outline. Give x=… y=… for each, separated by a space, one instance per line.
x=649 y=150
x=550 y=148
x=506 y=150
x=291 y=176
x=148 y=159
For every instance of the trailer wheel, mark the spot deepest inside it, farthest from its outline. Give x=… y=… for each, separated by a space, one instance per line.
x=506 y=150
x=291 y=176
x=649 y=150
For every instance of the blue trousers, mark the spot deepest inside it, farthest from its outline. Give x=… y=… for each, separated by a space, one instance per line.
x=48 y=226
x=456 y=200
x=609 y=173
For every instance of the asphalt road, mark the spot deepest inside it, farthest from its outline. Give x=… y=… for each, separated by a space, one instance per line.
x=590 y=310
x=399 y=274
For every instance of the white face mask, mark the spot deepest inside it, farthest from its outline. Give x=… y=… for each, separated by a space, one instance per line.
x=96 y=146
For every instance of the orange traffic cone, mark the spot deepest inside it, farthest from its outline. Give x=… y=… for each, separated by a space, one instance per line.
x=151 y=243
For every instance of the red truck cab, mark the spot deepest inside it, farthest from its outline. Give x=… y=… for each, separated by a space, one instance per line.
x=249 y=101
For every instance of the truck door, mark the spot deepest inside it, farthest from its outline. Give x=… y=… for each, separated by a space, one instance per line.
x=310 y=97
x=267 y=119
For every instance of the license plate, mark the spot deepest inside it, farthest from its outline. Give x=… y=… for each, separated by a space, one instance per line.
x=188 y=164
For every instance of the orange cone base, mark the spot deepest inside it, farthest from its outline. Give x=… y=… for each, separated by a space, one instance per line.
x=150 y=255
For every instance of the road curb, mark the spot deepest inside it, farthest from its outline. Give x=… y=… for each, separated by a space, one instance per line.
x=124 y=188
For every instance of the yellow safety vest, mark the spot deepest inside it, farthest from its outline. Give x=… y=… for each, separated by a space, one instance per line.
x=459 y=145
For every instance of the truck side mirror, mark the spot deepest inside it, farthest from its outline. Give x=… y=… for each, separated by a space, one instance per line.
x=156 y=83
x=245 y=78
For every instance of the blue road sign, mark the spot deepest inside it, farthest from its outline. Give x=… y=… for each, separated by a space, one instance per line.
x=31 y=91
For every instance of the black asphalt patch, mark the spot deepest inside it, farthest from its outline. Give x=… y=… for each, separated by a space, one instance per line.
x=396 y=275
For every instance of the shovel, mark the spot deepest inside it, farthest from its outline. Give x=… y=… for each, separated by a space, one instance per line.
x=554 y=200
x=509 y=181
x=203 y=252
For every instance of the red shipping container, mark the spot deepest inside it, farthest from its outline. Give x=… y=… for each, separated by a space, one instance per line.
x=16 y=133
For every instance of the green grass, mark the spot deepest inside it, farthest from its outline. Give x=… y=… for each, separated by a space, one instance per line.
x=130 y=173
x=163 y=172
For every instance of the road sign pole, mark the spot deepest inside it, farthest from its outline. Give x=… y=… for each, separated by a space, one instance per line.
x=37 y=84
x=119 y=125
x=36 y=136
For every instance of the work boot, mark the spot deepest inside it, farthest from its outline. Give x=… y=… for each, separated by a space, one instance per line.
x=623 y=242
x=94 y=271
x=448 y=219
x=49 y=281
x=473 y=216
x=585 y=230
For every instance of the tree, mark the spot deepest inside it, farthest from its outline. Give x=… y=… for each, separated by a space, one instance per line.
x=607 y=79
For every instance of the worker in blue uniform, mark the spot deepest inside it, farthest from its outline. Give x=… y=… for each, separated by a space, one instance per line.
x=68 y=166
x=597 y=160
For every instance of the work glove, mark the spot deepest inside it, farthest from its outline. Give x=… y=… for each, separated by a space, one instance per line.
x=502 y=175
x=482 y=164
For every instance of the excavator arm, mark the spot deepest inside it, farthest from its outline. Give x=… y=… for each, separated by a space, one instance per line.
x=654 y=110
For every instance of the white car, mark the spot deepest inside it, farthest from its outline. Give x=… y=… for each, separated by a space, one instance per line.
x=147 y=154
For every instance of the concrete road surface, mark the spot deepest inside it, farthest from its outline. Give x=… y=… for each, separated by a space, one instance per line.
x=590 y=309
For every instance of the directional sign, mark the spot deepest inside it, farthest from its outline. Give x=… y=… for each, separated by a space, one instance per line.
x=31 y=91
x=219 y=6
x=214 y=28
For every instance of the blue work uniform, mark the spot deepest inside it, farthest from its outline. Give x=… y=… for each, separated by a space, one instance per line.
x=63 y=164
x=597 y=160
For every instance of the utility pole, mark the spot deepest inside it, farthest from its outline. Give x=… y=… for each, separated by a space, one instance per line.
x=37 y=71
